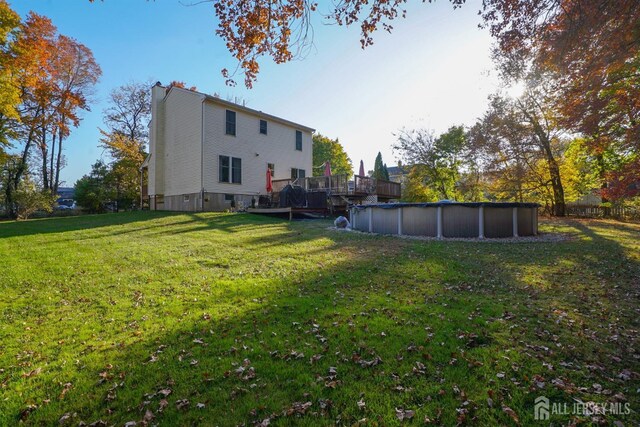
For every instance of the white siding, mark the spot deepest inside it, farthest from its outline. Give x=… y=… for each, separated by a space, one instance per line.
x=156 y=142
x=277 y=147
x=183 y=142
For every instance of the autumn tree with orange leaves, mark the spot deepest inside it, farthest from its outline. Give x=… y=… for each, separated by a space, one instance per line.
x=591 y=48
x=54 y=76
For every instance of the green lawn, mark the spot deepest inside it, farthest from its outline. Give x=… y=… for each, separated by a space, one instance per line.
x=223 y=319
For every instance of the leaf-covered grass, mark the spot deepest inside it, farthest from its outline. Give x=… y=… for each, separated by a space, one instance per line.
x=226 y=319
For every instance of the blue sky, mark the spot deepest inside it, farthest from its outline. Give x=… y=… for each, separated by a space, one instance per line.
x=433 y=71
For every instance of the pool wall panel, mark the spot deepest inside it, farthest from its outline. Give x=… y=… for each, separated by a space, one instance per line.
x=498 y=222
x=525 y=222
x=419 y=221
x=385 y=221
x=459 y=221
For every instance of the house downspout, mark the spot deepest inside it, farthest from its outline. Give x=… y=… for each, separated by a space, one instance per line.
x=202 y=159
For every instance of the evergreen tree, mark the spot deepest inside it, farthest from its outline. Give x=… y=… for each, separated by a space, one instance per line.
x=379 y=168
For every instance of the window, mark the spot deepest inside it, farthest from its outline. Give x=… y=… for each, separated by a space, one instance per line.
x=223 y=169
x=263 y=127
x=231 y=122
x=230 y=169
x=229 y=198
x=236 y=170
x=297 y=173
x=185 y=198
x=298 y=140
x=272 y=168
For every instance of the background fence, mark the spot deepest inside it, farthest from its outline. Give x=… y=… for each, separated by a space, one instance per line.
x=617 y=212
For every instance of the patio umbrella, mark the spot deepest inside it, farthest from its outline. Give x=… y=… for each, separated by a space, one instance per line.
x=269 y=184
x=361 y=173
x=327 y=169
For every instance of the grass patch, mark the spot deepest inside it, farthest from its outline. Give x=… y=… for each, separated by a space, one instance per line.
x=225 y=319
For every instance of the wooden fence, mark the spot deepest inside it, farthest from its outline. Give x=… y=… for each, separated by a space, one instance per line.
x=616 y=211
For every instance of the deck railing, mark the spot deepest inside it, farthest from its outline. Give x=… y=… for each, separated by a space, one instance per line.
x=333 y=183
x=388 y=189
x=279 y=184
x=341 y=185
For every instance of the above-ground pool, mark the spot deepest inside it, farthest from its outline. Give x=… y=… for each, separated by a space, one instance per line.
x=447 y=219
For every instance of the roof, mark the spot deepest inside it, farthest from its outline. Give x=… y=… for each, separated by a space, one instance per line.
x=145 y=163
x=396 y=170
x=239 y=107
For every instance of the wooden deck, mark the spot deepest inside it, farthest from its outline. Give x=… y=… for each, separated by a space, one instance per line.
x=268 y=211
x=290 y=211
x=340 y=185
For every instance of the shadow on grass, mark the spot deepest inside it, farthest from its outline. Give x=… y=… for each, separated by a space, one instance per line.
x=444 y=318
x=74 y=223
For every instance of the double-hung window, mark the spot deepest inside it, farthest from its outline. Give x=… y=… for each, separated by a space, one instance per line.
x=231 y=122
x=230 y=169
x=263 y=127
x=297 y=174
x=298 y=140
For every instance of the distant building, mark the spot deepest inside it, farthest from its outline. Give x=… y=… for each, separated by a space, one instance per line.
x=66 y=193
x=398 y=173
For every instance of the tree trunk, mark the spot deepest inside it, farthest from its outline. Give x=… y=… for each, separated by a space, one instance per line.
x=56 y=183
x=45 y=157
x=556 y=185
x=21 y=167
x=554 y=170
x=51 y=168
x=603 y=185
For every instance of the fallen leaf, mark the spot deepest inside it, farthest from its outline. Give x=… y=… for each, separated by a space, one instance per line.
x=31 y=373
x=361 y=404
x=403 y=414
x=511 y=413
x=165 y=392
x=66 y=417
x=65 y=389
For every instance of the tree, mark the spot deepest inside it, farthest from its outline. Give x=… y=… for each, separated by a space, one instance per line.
x=379 y=169
x=27 y=198
x=76 y=73
x=514 y=138
x=436 y=161
x=54 y=75
x=591 y=49
x=94 y=191
x=126 y=138
x=330 y=150
x=10 y=99
x=415 y=190
x=130 y=111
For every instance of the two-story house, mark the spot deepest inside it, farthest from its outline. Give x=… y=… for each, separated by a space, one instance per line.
x=205 y=152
